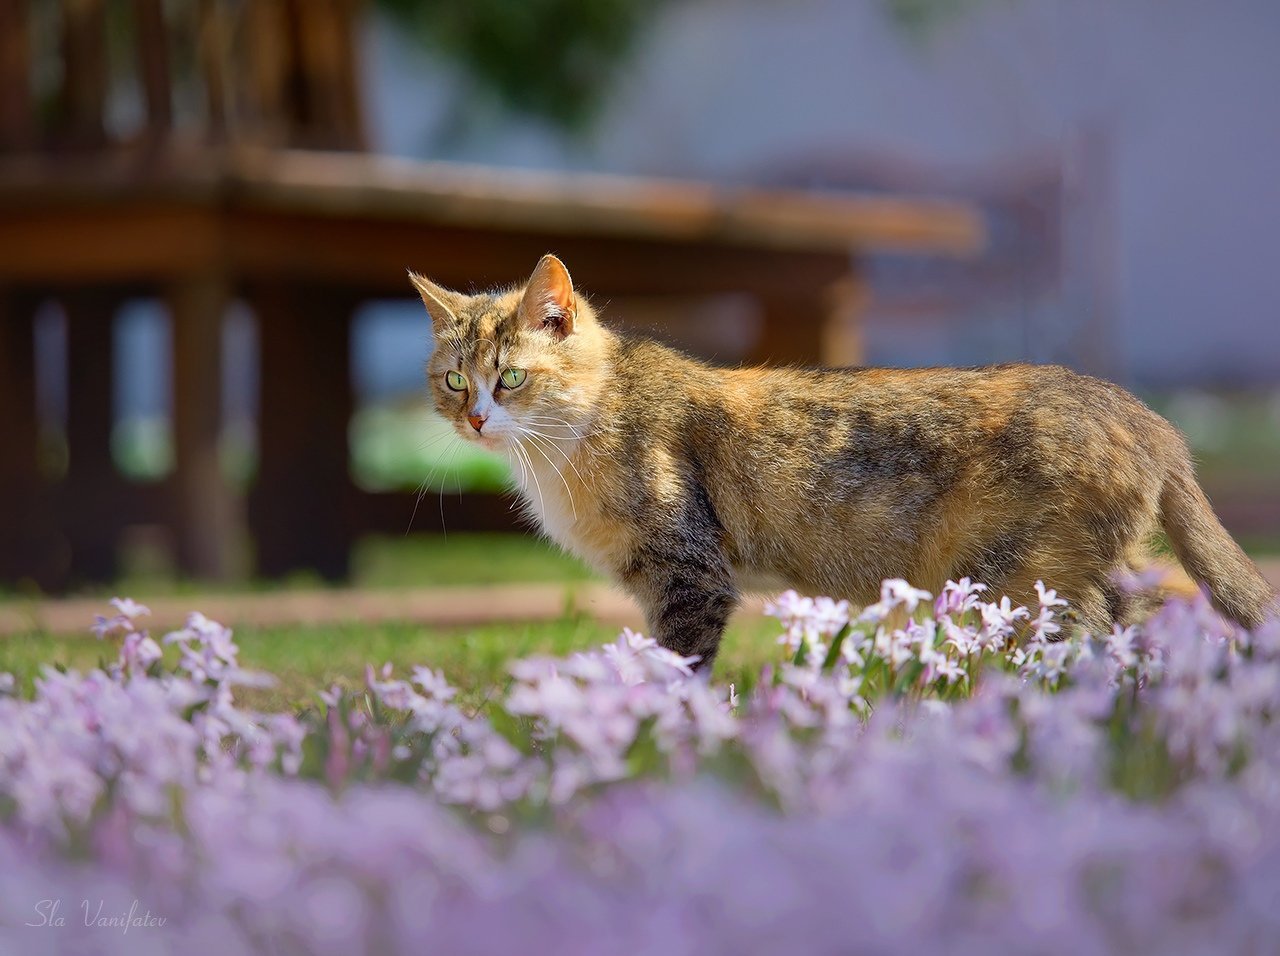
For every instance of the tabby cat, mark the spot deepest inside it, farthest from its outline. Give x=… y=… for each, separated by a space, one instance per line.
x=689 y=483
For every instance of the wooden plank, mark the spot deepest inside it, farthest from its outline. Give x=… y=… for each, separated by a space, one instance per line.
x=792 y=330
x=263 y=66
x=351 y=189
x=29 y=551
x=94 y=243
x=404 y=512
x=159 y=241
x=153 y=66
x=17 y=115
x=214 y=54
x=375 y=256
x=299 y=505
x=87 y=500
x=846 y=303
x=383 y=187
x=208 y=514
x=84 y=75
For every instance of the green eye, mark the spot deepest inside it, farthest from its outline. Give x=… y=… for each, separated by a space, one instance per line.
x=456 y=381
x=513 y=377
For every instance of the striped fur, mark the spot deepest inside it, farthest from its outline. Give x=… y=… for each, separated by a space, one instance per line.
x=690 y=483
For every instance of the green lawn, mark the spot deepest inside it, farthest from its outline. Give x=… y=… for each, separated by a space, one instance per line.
x=379 y=561
x=309 y=659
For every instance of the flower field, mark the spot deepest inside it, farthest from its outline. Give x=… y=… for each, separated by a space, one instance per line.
x=908 y=778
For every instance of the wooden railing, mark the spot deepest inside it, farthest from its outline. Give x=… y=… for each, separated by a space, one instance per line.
x=77 y=74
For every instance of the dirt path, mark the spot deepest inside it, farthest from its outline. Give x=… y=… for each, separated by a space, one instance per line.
x=439 y=607
x=435 y=607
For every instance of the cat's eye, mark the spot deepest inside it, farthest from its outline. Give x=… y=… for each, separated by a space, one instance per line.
x=513 y=377
x=456 y=381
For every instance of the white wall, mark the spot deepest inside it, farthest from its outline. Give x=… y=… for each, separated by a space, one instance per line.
x=1188 y=93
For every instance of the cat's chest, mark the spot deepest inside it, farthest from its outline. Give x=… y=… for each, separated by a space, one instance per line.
x=564 y=505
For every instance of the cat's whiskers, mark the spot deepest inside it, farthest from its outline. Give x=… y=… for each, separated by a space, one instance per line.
x=579 y=431
x=521 y=450
x=439 y=467
x=554 y=442
x=453 y=457
x=524 y=476
x=537 y=445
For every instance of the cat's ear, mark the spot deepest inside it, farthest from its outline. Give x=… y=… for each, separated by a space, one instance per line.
x=549 y=302
x=442 y=304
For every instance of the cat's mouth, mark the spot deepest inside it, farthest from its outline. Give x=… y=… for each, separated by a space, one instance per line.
x=491 y=441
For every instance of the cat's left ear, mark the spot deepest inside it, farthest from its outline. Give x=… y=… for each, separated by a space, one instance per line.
x=549 y=301
x=442 y=304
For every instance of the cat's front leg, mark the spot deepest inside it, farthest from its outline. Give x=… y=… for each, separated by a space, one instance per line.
x=686 y=602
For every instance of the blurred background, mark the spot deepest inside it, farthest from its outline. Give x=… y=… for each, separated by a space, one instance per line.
x=211 y=362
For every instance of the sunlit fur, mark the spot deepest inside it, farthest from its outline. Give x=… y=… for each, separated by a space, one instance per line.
x=689 y=483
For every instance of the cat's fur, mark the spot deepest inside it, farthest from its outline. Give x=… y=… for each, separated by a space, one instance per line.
x=690 y=483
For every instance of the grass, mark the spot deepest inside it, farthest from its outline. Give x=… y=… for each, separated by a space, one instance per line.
x=310 y=659
x=307 y=659
x=377 y=562
x=438 y=560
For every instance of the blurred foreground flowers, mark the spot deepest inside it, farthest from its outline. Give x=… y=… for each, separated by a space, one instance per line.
x=932 y=774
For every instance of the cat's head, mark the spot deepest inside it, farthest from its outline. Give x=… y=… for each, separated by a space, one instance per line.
x=516 y=361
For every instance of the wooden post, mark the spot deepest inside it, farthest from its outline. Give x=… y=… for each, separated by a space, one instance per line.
x=265 y=69
x=153 y=66
x=17 y=129
x=791 y=331
x=84 y=79
x=28 y=543
x=89 y=498
x=821 y=326
x=206 y=509
x=216 y=67
x=299 y=507
x=845 y=305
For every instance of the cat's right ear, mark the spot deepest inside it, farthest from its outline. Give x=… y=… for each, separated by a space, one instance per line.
x=442 y=304
x=549 y=301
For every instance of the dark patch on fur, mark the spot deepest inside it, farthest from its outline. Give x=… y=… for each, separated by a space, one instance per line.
x=1116 y=602
x=1003 y=556
x=683 y=577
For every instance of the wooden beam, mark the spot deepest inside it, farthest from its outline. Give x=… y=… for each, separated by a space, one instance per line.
x=213 y=39
x=382 y=188
x=154 y=72
x=353 y=188
x=29 y=545
x=84 y=75
x=375 y=256
x=17 y=114
x=401 y=512
x=299 y=507
x=262 y=68
x=87 y=242
x=791 y=331
x=845 y=304
x=88 y=499
x=208 y=514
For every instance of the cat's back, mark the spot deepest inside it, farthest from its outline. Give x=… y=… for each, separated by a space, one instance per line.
x=1035 y=417
x=949 y=406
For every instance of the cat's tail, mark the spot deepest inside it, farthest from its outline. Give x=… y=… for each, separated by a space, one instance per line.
x=1210 y=555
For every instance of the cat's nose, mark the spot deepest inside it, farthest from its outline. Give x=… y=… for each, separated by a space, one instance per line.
x=477 y=421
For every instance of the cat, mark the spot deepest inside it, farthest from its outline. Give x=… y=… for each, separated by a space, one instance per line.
x=690 y=483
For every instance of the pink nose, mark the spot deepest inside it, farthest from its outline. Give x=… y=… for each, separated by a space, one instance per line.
x=477 y=421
